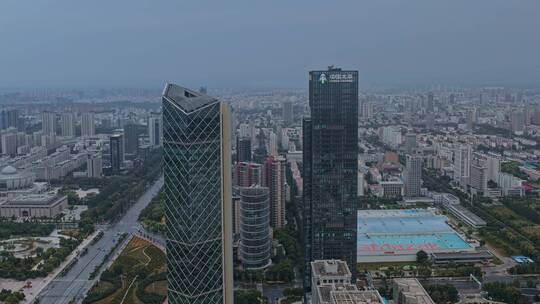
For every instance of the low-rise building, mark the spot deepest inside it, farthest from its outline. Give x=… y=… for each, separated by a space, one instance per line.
x=33 y=205
x=392 y=189
x=410 y=291
x=331 y=284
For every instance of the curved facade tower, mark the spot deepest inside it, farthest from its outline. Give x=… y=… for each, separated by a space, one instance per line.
x=255 y=243
x=198 y=210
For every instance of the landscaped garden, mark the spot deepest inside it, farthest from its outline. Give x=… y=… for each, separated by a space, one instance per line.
x=137 y=276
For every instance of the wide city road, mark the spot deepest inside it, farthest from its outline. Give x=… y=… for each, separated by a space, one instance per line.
x=76 y=282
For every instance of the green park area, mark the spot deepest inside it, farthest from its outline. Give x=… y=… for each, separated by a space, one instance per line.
x=512 y=167
x=137 y=276
x=40 y=256
x=153 y=216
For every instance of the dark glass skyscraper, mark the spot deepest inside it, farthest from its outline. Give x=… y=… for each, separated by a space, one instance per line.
x=198 y=210
x=131 y=133
x=243 y=149
x=330 y=138
x=116 y=145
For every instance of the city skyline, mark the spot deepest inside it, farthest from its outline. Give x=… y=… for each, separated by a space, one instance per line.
x=314 y=152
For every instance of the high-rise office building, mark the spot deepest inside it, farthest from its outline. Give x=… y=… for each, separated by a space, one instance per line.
x=287 y=113
x=48 y=123
x=116 y=146
x=67 y=124
x=430 y=121
x=131 y=135
x=255 y=242
x=471 y=118
x=9 y=118
x=462 y=165
x=198 y=211
x=94 y=165
x=517 y=122
x=247 y=174
x=274 y=178
x=366 y=110
x=410 y=143
x=330 y=160
x=88 y=126
x=155 y=130
x=430 y=106
x=493 y=167
x=479 y=179
x=243 y=149
x=8 y=141
x=413 y=175
x=452 y=98
x=272 y=144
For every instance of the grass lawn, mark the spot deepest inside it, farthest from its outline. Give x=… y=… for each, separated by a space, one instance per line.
x=159 y=287
x=138 y=254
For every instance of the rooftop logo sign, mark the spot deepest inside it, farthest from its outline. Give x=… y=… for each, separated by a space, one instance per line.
x=335 y=77
x=341 y=77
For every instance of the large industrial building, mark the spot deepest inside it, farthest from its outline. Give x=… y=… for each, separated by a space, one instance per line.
x=397 y=235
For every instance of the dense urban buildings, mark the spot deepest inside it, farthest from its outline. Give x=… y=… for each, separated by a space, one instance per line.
x=330 y=160
x=198 y=210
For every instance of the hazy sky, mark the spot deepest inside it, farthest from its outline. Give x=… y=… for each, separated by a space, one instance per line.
x=66 y=43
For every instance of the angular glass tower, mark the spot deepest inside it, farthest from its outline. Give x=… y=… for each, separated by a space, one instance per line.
x=330 y=138
x=198 y=209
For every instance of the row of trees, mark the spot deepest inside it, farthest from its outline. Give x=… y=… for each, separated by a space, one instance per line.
x=152 y=216
x=443 y=293
x=506 y=293
x=9 y=229
x=251 y=296
x=524 y=207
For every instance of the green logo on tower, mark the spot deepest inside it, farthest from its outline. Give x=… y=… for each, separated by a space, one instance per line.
x=322 y=78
